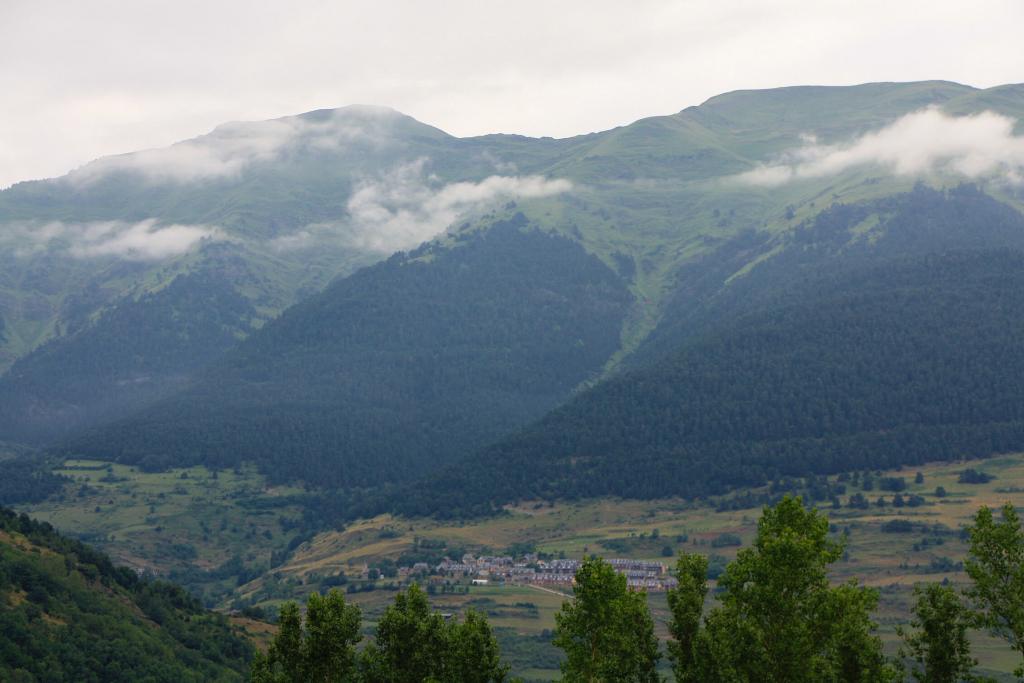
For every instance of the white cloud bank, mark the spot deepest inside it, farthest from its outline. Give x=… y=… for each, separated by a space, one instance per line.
x=921 y=142
x=146 y=240
x=406 y=207
x=227 y=150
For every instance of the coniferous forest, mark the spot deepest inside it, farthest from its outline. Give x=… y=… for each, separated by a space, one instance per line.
x=898 y=352
x=460 y=344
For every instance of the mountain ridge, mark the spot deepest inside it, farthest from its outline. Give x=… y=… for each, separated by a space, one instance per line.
x=655 y=202
x=820 y=362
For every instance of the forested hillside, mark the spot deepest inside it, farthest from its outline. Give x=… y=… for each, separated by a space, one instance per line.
x=619 y=249
x=24 y=478
x=70 y=615
x=277 y=209
x=847 y=350
x=146 y=240
x=400 y=368
x=756 y=270
x=138 y=351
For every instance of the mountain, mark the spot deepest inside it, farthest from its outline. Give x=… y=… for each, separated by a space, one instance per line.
x=195 y=246
x=403 y=366
x=136 y=350
x=876 y=335
x=70 y=615
x=564 y=263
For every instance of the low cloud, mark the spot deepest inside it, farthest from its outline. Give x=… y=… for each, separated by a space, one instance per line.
x=500 y=165
x=146 y=240
x=922 y=142
x=408 y=206
x=230 y=148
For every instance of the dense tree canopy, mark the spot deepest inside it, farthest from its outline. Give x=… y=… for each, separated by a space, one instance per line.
x=830 y=356
x=996 y=566
x=71 y=615
x=403 y=366
x=606 y=630
x=411 y=644
x=24 y=478
x=139 y=350
x=938 y=643
x=323 y=652
x=778 y=617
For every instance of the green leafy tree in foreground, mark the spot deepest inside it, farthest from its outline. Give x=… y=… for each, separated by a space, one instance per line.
x=414 y=644
x=686 y=603
x=939 y=645
x=332 y=631
x=475 y=657
x=779 y=619
x=325 y=652
x=996 y=566
x=606 y=630
x=410 y=641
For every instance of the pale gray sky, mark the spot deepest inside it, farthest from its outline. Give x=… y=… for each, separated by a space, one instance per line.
x=84 y=78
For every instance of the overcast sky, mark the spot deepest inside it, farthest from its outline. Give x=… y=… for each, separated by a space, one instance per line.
x=82 y=79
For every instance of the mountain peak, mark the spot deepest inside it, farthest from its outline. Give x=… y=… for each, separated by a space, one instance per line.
x=230 y=147
x=797 y=95
x=355 y=111
x=827 y=109
x=348 y=121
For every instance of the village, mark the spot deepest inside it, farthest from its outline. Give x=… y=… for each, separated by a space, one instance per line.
x=531 y=570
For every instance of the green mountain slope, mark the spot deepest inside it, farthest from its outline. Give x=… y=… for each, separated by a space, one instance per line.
x=110 y=368
x=70 y=615
x=401 y=367
x=848 y=349
x=663 y=193
x=757 y=270
x=659 y=203
x=254 y=216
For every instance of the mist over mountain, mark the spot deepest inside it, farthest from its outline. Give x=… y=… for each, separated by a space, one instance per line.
x=549 y=266
x=263 y=213
x=403 y=366
x=464 y=342
x=878 y=335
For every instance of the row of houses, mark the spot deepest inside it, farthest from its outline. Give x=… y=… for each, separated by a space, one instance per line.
x=640 y=574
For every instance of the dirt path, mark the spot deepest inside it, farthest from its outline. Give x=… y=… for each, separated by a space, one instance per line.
x=547 y=590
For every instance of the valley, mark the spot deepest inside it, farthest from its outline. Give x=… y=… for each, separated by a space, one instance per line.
x=203 y=528
x=362 y=353
x=146 y=521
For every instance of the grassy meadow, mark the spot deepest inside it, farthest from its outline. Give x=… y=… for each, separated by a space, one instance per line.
x=927 y=545
x=192 y=518
x=189 y=520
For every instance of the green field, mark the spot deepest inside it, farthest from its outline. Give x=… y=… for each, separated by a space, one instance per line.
x=147 y=520
x=891 y=561
x=189 y=521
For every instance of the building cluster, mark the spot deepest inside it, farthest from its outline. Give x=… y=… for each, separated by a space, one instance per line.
x=529 y=569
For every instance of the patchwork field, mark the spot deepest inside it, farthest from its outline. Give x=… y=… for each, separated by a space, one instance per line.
x=925 y=544
x=193 y=522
